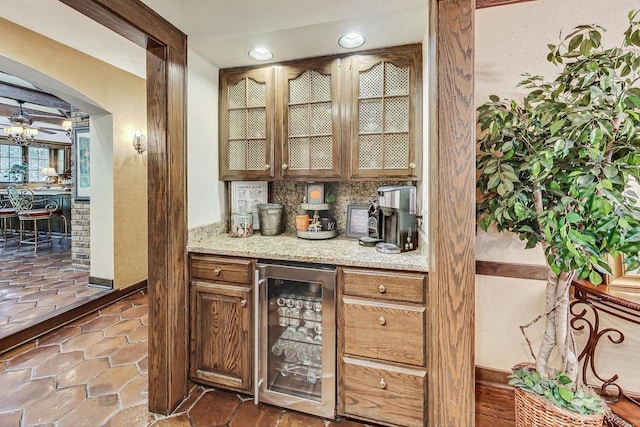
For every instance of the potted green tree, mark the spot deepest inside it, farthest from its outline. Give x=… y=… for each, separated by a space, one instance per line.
x=554 y=169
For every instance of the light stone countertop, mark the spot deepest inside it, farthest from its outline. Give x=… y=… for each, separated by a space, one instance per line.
x=289 y=247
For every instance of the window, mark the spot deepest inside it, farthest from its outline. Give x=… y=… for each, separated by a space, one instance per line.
x=38 y=158
x=10 y=155
x=622 y=277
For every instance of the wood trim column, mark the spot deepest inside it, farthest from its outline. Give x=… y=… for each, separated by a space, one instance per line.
x=166 y=128
x=451 y=290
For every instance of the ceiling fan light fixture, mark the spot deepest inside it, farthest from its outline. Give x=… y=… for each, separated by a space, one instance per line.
x=351 y=40
x=260 y=54
x=22 y=135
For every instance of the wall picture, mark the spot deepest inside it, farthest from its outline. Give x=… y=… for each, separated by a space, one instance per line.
x=82 y=178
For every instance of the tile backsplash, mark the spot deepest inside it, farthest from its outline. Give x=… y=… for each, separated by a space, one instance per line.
x=290 y=194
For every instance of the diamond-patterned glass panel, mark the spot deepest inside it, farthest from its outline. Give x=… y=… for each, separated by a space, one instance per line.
x=298 y=153
x=299 y=89
x=236 y=124
x=236 y=160
x=371 y=82
x=256 y=93
x=396 y=117
x=370 y=152
x=321 y=153
x=256 y=123
x=256 y=154
x=299 y=120
x=321 y=119
x=370 y=116
x=396 y=151
x=320 y=86
x=236 y=95
x=396 y=80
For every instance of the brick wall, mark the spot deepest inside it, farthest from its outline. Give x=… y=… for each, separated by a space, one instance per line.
x=80 y=211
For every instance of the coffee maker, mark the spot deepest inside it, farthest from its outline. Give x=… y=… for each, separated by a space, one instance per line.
x=397 y=219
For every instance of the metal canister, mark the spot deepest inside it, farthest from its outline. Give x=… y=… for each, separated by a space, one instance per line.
x=270 y=216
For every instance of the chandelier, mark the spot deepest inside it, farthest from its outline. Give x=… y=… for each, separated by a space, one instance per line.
x=21 y=132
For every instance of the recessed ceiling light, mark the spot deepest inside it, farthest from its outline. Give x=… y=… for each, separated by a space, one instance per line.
x=261 y=54
x=351 y=40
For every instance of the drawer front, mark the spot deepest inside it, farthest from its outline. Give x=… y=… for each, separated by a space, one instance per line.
x=384 y=331
x=384 y=393
x=220 y=269
x=398 y=286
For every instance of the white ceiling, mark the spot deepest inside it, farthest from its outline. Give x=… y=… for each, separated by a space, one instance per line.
x=223 y=31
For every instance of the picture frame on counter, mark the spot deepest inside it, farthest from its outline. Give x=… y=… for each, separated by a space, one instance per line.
x=82 y=148
x=357 y=221
x=246 y=196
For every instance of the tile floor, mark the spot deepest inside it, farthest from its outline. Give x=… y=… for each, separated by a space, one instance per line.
x=34 y=286
x=94 y=372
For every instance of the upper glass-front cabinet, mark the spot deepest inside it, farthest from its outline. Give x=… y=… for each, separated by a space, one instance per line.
x=311 y=125
x=246 y=130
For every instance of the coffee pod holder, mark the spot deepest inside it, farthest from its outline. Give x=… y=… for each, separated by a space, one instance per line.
x=314 y=231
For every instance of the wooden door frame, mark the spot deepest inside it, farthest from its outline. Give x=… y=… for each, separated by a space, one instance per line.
x=452 y=200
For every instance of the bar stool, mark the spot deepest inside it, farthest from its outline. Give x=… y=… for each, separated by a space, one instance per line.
x=7 y=213
x=27 y=210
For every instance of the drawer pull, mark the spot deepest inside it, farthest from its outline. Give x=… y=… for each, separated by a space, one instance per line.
x=383 y=383
x=216 y=271
x=243 y=303
x=382 y=289
x=382 y=320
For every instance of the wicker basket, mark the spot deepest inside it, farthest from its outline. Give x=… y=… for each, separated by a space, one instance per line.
x=533 y=410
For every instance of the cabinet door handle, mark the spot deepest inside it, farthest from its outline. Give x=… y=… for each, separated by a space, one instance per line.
x=412 y=165
x=382 y=320
x=216 y=271
x=267 y=166
x=383 y=383
x=284 y=166
x=382 y=289
x=243 y=303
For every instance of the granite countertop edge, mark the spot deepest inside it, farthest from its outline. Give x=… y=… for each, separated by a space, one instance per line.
x=288 y=247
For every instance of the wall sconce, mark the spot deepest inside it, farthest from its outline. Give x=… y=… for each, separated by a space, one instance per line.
x=139 y=142
x=67 y=126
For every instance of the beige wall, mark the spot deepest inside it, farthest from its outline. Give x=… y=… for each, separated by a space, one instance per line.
x=116 y=101
x=512 y=40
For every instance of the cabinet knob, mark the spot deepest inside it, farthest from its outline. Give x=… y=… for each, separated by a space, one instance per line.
x=412 y=165
x=383 y=383
x=382 y=289
x=267 y=167
x=382 y=320
x=216 y=271
x=284 y=166
x=243 y=303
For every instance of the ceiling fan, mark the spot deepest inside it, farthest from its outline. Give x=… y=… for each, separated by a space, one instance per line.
x=21 y=118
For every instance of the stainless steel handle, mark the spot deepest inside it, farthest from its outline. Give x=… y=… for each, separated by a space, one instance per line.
x=216 y=271
x=383 y=383
x=382 y=320
x=382 y=289
x=256 y=324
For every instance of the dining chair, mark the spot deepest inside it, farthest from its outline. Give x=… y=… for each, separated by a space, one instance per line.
x=30 y=209
x=7 y=214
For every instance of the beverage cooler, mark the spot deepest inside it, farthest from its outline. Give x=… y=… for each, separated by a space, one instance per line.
x=295 y=355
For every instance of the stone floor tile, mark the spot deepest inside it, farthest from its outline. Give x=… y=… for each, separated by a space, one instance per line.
x=135 y=392
x=35 y=296
x=112 y=380
x=343 y=422
x=135 y=416
x=54 y=406
x=99 y=323
x=10 y=418
x=214 y=408
x=17 y=308
x=139 y=335
x=31 y=314
x=143 y=365
x=10 y=380
x=134 y=312
x=296 y=419
x=83 y=372
x=250 y=414
x=56 y=301
x=60 y=362
x=105 y=347
x=174 y=421
x=59 y=335
x=32 y=358
x=123 y=327
x=117 y=308
x=93 y=412
x=27 y=393
x=131 y=353
x=194 y=394
x=82 y=341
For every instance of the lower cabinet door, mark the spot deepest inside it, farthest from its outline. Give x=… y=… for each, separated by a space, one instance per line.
x=221 y=335
x=384 y=393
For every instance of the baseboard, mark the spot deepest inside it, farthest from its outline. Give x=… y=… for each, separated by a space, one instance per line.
x=103 y=283
x=48 y=323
